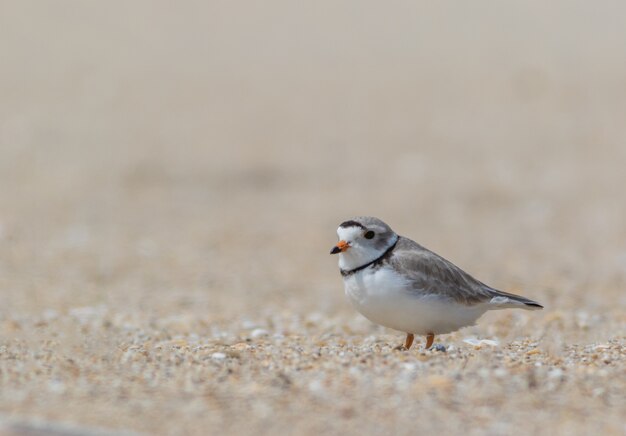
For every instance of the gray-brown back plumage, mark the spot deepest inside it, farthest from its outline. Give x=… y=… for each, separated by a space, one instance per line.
x=430 y=273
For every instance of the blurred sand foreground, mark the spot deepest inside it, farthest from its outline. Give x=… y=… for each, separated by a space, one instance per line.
x=172 y=175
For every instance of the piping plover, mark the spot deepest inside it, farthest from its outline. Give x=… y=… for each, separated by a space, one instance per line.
x=395 y=282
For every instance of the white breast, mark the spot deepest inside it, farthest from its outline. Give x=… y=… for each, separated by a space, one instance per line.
x=384 y=297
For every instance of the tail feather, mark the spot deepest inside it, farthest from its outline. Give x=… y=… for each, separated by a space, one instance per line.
x=504 y=300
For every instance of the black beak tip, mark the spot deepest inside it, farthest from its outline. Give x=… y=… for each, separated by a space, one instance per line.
x=335 y=250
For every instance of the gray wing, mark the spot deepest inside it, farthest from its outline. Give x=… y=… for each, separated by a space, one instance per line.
x=430 y=273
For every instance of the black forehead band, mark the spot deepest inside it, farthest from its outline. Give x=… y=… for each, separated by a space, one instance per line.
x=351 y=223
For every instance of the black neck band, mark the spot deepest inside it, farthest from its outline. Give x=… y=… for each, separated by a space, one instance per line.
x=345 y=273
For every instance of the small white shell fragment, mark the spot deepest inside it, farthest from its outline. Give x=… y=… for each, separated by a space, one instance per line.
x=257 y=333
x=409 y=366
x=218 y=356
x=480 y=342
x=316 y=386
x=555 y=373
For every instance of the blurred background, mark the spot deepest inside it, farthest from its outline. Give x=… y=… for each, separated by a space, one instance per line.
x=203 y=153
x=196 y=157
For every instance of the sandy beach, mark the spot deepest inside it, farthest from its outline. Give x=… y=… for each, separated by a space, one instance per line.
x=172 y=177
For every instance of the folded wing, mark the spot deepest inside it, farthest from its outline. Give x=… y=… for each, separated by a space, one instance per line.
x=431 y=274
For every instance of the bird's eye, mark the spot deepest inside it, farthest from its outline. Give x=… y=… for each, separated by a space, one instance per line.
x=369 y=234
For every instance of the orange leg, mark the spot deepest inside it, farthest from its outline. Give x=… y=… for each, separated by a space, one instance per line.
x=409 y=340
x=407 y=343
x=430 y=338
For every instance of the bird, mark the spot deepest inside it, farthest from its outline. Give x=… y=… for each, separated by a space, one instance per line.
x=395 y=282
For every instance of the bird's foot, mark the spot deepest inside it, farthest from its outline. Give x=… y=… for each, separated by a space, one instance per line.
x=407 y=343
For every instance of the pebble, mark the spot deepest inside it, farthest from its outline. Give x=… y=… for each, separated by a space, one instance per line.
x=480 y=342
x=258 y=333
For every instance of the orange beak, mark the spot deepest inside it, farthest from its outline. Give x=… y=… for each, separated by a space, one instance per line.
x=340 y=247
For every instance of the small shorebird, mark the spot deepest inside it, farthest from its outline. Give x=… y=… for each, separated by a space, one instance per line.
x=395 y=282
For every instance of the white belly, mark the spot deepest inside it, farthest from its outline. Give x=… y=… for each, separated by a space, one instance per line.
x=384 y=297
